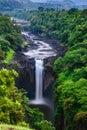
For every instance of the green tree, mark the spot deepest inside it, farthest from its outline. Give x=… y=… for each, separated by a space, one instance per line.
x=11 y=109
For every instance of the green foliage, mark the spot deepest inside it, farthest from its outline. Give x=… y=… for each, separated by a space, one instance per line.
x=12 y=127
x=14 y=104
x=10 y=37
x=11 y=109
x=81 y=119
x=40 y=8
x=71 y=72
x=44 y=125
x=9 y=56
x=33 y=116
x=5 y=45
x=59 y=25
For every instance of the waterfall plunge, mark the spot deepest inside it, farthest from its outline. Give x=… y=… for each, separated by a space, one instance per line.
x=44 y=104
x=39 y=80
x=39 y=66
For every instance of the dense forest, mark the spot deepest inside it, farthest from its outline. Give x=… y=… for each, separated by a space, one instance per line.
x=10 y=38
x=69 y=28
x=70 y=89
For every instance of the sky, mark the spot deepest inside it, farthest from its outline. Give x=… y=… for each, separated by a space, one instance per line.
x=46 y=0
x=78 y=2
x=38 y=0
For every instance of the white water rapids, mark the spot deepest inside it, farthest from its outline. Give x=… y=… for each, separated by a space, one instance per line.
x=42 y=50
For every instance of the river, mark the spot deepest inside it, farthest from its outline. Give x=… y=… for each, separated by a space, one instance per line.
x=40 y=49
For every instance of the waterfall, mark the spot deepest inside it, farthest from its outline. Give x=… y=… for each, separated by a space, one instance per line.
x=39 y=79
x=44 y=104
x=39 y=99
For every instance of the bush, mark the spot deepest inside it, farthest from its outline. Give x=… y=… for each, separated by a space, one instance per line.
x=44 y=125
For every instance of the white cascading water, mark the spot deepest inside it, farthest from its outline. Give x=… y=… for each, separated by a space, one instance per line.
x=39 y=66
x=39 y=79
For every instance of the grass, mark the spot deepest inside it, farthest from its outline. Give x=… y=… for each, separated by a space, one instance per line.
x=12 y=127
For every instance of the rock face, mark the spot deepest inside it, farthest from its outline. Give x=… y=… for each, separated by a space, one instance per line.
x=26 y=69
x=48 y=78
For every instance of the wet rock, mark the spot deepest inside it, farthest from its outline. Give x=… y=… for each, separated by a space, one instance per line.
x=26 y=80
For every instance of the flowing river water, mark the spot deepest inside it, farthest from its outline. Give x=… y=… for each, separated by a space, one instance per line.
x=42 y=49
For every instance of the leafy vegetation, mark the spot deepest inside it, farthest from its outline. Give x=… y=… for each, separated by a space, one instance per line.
x=9 y=56
x=45 y=125
x=10 y=38
x=59 y=25
x=14 y=104
x=71 y=84
x=11 y=127
x=11 y=109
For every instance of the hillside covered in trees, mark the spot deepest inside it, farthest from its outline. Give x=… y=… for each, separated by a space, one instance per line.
x=70 y=89
x=10 y=5
x=10 y=38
